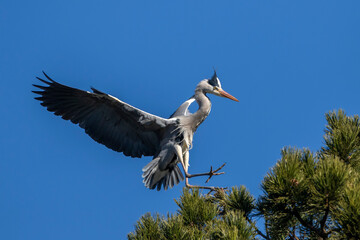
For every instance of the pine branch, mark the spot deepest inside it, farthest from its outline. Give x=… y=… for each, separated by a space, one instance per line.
x=261 y=234
x=309 y=226
x=266 y=226
x=292 y=234
x=256 y=229
x=323 y=220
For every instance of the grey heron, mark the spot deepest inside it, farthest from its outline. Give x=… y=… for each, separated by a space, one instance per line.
x=136 y=133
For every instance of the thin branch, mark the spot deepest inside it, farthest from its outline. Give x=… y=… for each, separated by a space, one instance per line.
x=304 y=223
x=266 y=225
x=292 y=234
x=309 y=226
x=296 y=237
x=323 y=220
x=256 y=229
x=261 y=234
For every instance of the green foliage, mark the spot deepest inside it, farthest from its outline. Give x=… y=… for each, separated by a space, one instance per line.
x=306 y=195
x=232 y=225
x=198 y=218
x=173 y=228
x=347 y=215
x=238 y=199
x=313 y=195
x=147 y=228
x=286 y=187
x=342 y=137
x=329 y=182
x=195 y=209
x=302 y=190
x=241 y=200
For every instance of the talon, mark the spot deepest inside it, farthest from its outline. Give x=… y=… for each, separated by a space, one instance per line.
x=212 y=173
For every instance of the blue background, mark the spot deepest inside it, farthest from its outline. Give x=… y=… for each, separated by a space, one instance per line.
x=288 y=62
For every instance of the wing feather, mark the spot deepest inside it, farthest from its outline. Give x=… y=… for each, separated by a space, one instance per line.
x=183 y=110
x=106 y=119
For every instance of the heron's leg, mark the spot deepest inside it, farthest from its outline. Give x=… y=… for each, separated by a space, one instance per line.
x=185 y=163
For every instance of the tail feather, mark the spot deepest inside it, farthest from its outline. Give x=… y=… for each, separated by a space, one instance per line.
x=155 y=178
x=178 y=174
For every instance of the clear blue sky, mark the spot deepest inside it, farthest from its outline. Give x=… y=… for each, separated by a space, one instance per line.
x=288 y=62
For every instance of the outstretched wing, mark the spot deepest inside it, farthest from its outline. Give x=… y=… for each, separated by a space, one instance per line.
x=109 y=121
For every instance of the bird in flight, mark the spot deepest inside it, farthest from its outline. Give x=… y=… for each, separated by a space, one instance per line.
x=136 y=133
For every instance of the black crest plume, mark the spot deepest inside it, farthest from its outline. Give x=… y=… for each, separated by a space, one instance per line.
x=214 y=80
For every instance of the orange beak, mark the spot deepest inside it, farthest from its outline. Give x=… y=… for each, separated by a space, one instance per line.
x=225 y=94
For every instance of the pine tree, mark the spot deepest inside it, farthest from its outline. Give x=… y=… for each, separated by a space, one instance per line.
x=306 y=195
x=199 y=217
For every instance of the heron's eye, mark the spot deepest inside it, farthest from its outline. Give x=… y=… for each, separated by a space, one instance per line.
x=215 y=88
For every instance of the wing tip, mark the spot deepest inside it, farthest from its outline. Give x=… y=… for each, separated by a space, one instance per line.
x=49 y=81
x=47 y=76
x=38 y=92
x=97 y=91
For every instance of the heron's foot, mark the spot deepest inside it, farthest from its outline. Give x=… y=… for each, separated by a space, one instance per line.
x=210 y=173
x=214 y=173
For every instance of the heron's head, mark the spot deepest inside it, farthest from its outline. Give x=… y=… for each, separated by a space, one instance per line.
x=213 y=86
